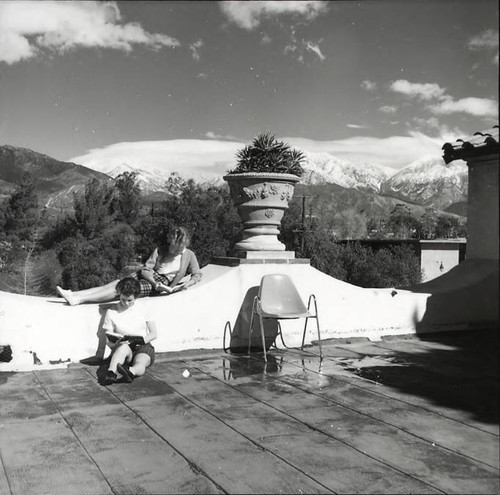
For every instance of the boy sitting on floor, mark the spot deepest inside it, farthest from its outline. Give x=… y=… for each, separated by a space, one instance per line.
x=129 y=333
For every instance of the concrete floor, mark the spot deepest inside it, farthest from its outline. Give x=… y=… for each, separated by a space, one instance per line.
x=403 y=415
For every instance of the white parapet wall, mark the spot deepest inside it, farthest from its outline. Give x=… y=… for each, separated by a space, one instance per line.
x=195 y=318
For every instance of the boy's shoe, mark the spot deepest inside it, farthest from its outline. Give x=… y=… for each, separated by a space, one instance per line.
x=110 y=377
x=128 y=376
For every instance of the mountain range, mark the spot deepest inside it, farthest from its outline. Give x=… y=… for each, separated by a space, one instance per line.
x=427 y=182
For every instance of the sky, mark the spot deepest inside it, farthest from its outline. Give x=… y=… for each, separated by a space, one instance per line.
x=182 y=85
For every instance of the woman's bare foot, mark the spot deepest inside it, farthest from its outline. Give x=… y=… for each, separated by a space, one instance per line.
x=66 y=294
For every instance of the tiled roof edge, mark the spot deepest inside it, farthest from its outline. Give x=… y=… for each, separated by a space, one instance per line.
x=482 y=143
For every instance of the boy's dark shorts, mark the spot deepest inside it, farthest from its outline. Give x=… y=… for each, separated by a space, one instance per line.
x=145 y=349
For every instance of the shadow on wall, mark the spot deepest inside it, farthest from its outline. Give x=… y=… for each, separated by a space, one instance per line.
x=458 y=371
x=466 y=296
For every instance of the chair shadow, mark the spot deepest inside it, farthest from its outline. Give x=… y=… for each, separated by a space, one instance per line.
x=239 y=335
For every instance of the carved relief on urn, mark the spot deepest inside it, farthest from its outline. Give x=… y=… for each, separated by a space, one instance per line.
x=261 y=200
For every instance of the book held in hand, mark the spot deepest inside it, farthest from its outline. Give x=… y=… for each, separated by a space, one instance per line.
x=114 y=337
x=169 y=290
x=118 y=337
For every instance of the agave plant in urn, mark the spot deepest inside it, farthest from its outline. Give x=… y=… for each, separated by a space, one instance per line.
x=261 y=187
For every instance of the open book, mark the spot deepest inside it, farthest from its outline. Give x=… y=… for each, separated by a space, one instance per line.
x=118 y=337
x=169 y=290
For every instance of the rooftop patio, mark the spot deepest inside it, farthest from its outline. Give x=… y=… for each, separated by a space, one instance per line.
x=414 y=414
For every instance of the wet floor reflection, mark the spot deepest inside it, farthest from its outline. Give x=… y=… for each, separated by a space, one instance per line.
x=235 y=367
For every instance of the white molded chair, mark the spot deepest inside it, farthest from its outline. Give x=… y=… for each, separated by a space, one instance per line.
x=279 y=299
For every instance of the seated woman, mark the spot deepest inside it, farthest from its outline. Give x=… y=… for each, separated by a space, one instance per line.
x=169 y=264
x=129 y=334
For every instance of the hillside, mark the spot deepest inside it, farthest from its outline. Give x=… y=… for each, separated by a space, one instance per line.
x=332 y=198
x=56 y=181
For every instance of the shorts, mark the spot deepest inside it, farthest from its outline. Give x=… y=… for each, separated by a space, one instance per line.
x=146 y=288
x=145 y=349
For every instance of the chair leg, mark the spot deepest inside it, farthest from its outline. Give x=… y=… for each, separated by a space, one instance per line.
x=317 y=326
x=281 y=336
x=319 y=339
x=312 y=298
x=255 y=299
x=261 y=321
x=304 y=334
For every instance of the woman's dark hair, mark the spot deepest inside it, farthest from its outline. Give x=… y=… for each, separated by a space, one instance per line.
x=128 y=286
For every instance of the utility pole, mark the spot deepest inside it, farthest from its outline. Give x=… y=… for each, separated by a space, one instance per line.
x=303 y=220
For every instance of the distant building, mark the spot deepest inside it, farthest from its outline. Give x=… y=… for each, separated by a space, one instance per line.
x=439 y=256
x=436 y=256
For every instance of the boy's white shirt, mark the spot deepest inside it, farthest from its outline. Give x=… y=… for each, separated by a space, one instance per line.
x=131 y=321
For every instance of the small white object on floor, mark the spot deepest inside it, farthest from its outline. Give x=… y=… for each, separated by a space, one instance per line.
x=186 y=374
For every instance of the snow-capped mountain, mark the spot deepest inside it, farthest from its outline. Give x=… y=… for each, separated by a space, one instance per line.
x=151 y=181
x=148 y=180
x=427 y=181
x=321 y=168
x=430 y=182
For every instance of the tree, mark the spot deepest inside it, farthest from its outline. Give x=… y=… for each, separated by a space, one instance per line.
x=97 y=261
x=127 y=199
x=449 y=226
x=20 y=212
x=206 y=211
x=93 y=209
x=324 y=253
x=428 y=224
x=402 y=223
x=351 y=224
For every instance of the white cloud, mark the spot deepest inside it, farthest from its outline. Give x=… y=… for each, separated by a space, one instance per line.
x=388 y=109
x=265 y=39
x=369 y=85
x=213 y=135
x=189 y=157
x=29 y=27
x=482 y=107
x=248 y=15
x=395 y=152
x=424 y=91
x=430 y=123
x=433 y=127
x=213 y=157
x=444 y=104
x=487 y=39
x=194 y=47
x=356 y=126
x=314 y=48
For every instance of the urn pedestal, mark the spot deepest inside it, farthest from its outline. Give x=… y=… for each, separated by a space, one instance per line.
x=261 y=200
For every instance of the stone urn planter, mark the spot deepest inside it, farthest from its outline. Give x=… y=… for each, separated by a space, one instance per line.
x=261 y=200
x=261 y=187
